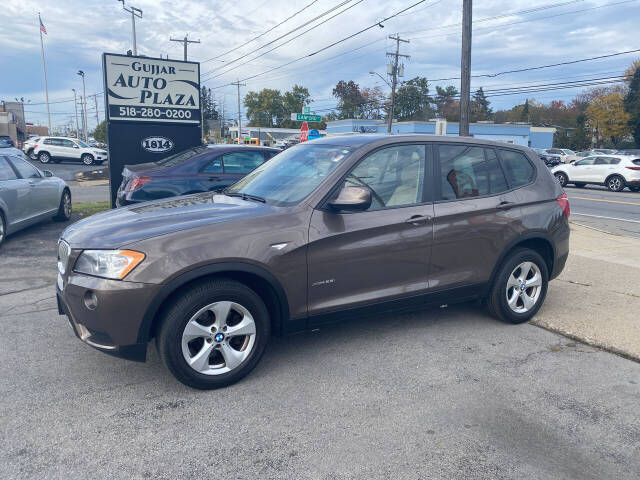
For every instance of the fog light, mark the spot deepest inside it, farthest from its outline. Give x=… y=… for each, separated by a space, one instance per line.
x=90 y=300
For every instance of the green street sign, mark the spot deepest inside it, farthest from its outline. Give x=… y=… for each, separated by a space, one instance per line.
x=306 y=110
x=304 y=117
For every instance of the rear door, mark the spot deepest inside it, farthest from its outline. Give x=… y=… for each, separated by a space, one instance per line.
x=69 y=149
x=476 y=216
x=581 y=170
x=44 y=191
x=600 y=169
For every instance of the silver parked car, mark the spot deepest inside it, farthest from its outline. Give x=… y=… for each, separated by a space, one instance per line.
x=28 y=195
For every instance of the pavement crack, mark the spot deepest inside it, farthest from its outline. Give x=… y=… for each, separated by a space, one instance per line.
x=23 y=290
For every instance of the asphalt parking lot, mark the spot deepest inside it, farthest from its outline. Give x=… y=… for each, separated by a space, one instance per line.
x=440 y=393
x=65 y=170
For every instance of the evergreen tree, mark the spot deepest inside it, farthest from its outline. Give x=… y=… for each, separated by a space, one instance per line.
x=480 y=109
x=208 y=106
x=524 y=116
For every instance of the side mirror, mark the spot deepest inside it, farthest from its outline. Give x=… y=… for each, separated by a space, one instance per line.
x=47 y=173
x=352 y=199
x=75 y=146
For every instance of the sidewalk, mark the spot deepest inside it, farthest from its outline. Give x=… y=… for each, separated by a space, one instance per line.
x=596 y=299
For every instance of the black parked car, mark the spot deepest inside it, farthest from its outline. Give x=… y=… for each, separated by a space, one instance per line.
x=197 y=169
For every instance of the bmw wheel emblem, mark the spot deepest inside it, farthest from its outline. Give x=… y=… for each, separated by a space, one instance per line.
x=219 y=337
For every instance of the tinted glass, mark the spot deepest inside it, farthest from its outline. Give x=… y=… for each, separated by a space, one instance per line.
x=614 y=161
x=466 y=173
x=395 y=176
x=181 y=157
x=555 y=151
x=242 y=162
x=214 y=166
x=25 y=169
x=49 y=141
x=6 y=172
x=586 y=161
x=517 y=167
x=601 y=161
x=293 y=174
x=67 y=143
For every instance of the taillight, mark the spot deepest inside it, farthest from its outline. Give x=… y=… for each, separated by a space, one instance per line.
x=563 y=201
x=633 y=168
x=138 y=182
x=35 y=146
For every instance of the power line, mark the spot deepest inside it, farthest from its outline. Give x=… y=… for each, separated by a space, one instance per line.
x=263 y=33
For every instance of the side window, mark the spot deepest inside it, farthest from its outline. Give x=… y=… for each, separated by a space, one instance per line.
x=48 y=141
x=613 y=161
x=67 y=143
x=586 y=161
x=6 y=172
x=214 y=166
x=395 y=176
x=467 y=172
x=25 y=169
x=517 y=167
x=242 y=162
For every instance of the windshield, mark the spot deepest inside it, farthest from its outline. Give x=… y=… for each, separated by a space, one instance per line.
x=81 y=144
x=290 y=176
x=180 y=157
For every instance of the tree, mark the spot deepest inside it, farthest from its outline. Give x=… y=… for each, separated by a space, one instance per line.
x=208 y=106
x=524 y=115
x=632 y=105
x=412 y=100
x=607 y=115
x=349 y=99
x=480 y=109
x=372 y=103
x=264 y=108
x=446 y=103
x=100 y=133
x=293 y=101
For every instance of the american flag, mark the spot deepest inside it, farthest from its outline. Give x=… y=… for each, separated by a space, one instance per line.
x=42 y=29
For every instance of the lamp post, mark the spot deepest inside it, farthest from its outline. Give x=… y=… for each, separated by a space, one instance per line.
x=75 y=107
x=135 y=12
x=84 y=105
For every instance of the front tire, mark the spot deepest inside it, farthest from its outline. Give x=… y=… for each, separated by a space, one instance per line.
x=615 y=183
x=44 y=157
x=520 y=287
x=87 y=159
x=214 y=334
x=64 y=210
x=562 y=179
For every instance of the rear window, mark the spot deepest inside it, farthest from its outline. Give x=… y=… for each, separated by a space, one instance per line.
x=637 y=161
x=517 y=168
x=180 y=157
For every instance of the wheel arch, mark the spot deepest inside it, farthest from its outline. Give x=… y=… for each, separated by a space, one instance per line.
x=539 y=242
x=265 y=284
x=616 y=174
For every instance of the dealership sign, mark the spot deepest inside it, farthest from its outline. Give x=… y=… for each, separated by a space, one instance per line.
x=152 y=90
x=153 y=110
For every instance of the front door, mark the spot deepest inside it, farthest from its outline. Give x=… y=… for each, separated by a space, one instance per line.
x=44 y=191
x=476 y=215
x=366 y=257
x=15 y=193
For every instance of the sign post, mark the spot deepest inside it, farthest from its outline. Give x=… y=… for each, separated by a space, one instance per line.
x=152 y=110
x=304 y=132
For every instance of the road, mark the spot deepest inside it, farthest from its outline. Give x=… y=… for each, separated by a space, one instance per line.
x=615 y=212
x=64 y=170
x=440 y=393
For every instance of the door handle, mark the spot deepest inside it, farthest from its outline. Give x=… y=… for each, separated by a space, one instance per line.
x=32 y=183
x=418 y=219
x=214 y=179
x=505 y=204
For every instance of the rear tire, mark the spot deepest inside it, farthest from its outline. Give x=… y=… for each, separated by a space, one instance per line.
x=191 y=328
x=562 y=179
x=64 y=210
x=615 y=183
x=44 y=157
x=508 y=300
x=87 y=159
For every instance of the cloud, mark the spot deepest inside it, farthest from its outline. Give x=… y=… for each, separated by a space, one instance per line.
x=80 y=30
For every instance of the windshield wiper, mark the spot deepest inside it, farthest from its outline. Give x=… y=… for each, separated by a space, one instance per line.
x=244 y=196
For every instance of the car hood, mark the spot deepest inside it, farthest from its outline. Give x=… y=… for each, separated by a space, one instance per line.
x=123 y=226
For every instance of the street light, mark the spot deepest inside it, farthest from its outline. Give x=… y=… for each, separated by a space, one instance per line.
x=135 y=12
x=383 y=79
x=84 y=97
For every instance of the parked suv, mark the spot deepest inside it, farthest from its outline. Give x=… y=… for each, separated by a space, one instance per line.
x=613 y=171
x=57 y=149
x=197 y=169
x=328 y=229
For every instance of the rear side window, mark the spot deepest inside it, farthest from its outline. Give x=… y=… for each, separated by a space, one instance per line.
x=49 y=141
x=25 y=169
x=636 y=161
x=517 y=167
x=6 y=172
x=242 y=162
x=214 y=166
x=467 y=172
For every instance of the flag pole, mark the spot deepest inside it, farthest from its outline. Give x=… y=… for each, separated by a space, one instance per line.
x=44 y=69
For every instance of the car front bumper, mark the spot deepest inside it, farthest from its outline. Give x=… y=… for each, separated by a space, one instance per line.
x=113 y=325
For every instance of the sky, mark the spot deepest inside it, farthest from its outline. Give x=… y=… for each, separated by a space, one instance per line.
x=507 y=35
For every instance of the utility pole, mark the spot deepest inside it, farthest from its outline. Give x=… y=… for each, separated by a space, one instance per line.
x=75 y=106
x=465 y=69
x=186 y=42
x=135 y=12
x=238 y=84
x=84 y=104
x=95 y=99
x=394 y=74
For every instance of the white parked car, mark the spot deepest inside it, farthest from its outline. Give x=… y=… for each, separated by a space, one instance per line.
x=56 y=149
x=28 y=145
x=566 y=155
x=614 y=171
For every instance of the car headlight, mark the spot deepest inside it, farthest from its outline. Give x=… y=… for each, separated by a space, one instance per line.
x=114 y=264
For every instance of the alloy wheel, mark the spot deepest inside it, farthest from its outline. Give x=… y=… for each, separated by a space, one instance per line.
x=66 y=204
x=615 y=184
x=218 y=338
x=87 y=159
x=524 y=287
x=44 y=157
x=1 y=229
x=561 y=178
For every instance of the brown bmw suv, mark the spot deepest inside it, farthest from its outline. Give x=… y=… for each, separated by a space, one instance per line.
x=329 y=229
